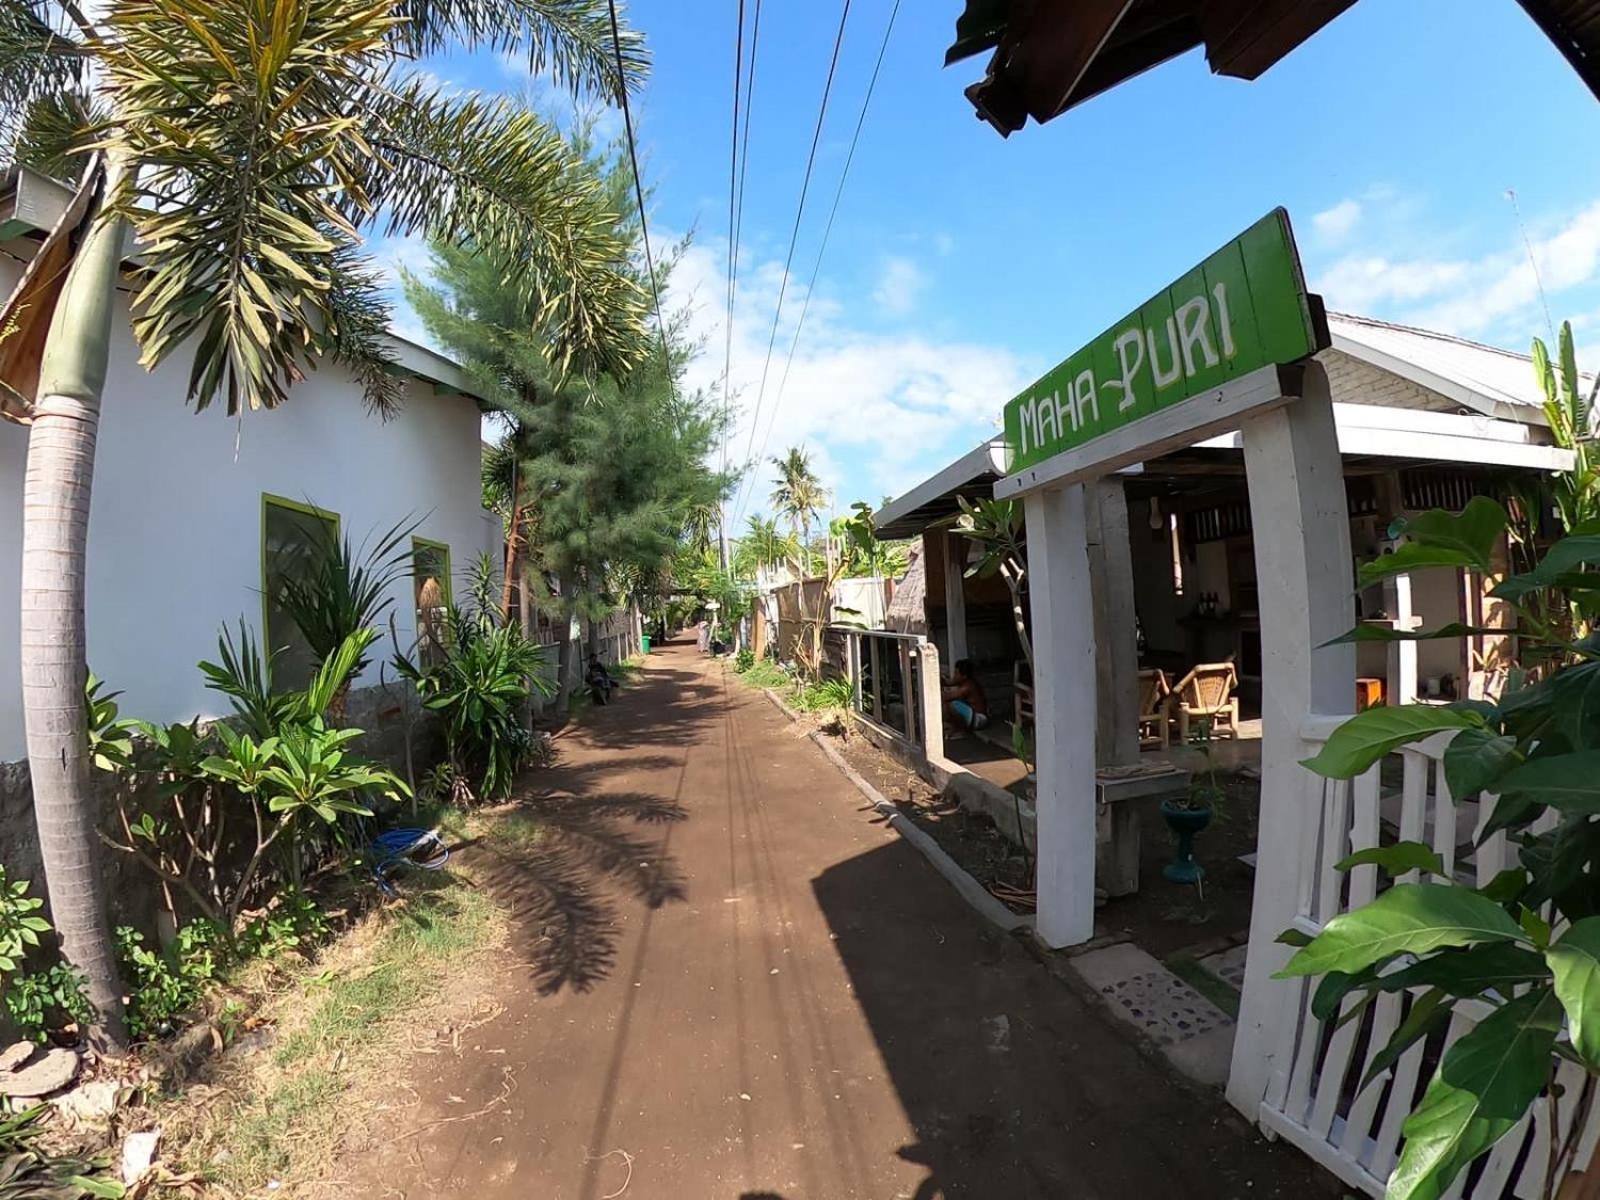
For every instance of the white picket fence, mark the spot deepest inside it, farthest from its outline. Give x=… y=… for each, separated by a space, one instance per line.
x=1314 y=1098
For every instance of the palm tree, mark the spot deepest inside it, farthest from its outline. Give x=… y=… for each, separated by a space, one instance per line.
x=245 y=144
x=763 y=545
x=799 y=495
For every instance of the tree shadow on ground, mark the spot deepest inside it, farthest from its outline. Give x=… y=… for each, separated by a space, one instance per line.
x=564 y=871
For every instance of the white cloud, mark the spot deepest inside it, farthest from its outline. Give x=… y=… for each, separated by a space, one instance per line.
x=900 y=283
x=877 y=411
x=1334 y=224
x=1494 y=294
x=944 y=243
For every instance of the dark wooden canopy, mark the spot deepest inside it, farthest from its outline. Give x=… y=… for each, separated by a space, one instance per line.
x=1050 y=55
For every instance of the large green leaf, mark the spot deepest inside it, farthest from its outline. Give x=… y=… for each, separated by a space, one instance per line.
x=1428 y=1012
x=1475 y=759
x=1484 y=1085
x=1575 y=963
x=1367 y=737
x=1574 y=694
x=1475 y=530
x=1413 y=556
x=1470 y=971
x=1568 y=782
x=1372 y=631
x=1396 y=859
x=1409 y=918
x=1565 y=557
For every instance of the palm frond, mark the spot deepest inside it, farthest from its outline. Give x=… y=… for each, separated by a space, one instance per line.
x=357 y=333
x=570 y=40
x=54 y=133
x=239 y=115
x=493 y=175
x=38 y=60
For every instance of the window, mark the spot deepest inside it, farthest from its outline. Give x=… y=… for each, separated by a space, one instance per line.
x=430 y=572
x=292 y=535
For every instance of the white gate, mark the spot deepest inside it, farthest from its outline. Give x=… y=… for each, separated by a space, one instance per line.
x=1313 y=1095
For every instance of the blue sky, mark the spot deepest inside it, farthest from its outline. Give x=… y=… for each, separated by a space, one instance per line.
x=962 y=265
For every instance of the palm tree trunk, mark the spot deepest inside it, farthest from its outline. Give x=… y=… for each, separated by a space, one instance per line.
x=513 y=557
x=55 y=536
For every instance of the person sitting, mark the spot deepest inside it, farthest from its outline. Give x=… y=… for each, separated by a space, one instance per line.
x=599 y=680
x=964 y=701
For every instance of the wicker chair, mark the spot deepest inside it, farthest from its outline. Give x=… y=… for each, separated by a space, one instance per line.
x=1155 y=695
x=1206 y=693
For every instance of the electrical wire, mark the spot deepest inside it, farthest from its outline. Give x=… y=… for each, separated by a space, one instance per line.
x=733 y=246
x=827 y=231
x=794 y=235
x=638 y=193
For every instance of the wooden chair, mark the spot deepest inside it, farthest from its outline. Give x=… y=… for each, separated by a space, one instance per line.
x=1022 y=695
x=1155 y=695
x=1206 y=693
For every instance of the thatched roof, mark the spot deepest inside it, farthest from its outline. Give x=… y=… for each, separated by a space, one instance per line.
x=907 y=612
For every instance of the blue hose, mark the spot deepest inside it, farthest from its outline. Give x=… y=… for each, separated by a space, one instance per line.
x=398 y=848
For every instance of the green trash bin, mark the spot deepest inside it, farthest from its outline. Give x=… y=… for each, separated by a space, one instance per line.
x=644 y=643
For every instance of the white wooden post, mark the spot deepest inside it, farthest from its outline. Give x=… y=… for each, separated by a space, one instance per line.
x=955 y=597
x=1116 y=639
x=1402 y=682
x=1303 y=570
x=932 y=701
x=1064 y=706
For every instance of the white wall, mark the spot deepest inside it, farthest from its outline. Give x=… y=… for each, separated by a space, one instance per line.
x=175 y=526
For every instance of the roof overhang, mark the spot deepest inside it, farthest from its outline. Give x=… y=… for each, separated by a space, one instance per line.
x=1050 y=56
x=935 y=500
x=1467 y=397
x=31 y=204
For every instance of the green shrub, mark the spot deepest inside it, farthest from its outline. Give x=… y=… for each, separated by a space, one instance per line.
x=39 y=1002
x=830 y=694
x=295 y=922
x=744 y=660
x=480 y=687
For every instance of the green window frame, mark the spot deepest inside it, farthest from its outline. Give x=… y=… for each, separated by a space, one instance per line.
x=429 y=618
x=294 y=662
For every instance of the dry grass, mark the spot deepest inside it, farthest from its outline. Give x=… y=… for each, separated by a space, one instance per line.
x=275 y=1119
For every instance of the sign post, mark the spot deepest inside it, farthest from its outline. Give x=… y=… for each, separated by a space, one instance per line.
x=1224 y=344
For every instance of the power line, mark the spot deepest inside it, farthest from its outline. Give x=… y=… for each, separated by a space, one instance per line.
x=733 y=249
x=638 y=193
x=827 y=230
x=794 y=235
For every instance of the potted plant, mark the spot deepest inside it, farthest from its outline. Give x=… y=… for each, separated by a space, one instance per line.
x=1188 y=815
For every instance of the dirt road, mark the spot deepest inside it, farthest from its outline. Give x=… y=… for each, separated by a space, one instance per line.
x=730 y=983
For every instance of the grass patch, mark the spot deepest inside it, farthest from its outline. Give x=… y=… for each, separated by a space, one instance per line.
x=766 y=674
x=1219 y=991
x=345 y=1023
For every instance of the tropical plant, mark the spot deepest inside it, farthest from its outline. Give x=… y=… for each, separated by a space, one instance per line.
x=763 y=545
x=245 y=143
x=798 y=494
x=996 y=527
x=480 y=687
x=161 y=987
x=28 y=1173
x=1527 y=944
x=180 y=783
x=42 y=1001
x=1569 y=412
x=342 y=589
x=20 y=922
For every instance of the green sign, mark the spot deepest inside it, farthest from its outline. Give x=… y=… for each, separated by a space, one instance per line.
x=1244 y=308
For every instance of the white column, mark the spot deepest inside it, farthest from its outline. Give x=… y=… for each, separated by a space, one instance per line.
x=1064 y=698
x=955 y=597
x=1116 y=640
x=931 y=700
x=1304 y=572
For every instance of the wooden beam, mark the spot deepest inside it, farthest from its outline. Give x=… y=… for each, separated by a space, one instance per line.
x=1246 y=37
x=1057 y=47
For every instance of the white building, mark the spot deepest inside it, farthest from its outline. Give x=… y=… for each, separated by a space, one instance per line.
x=184 y=504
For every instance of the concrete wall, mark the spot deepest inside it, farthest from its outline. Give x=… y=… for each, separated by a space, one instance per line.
x=175 y=528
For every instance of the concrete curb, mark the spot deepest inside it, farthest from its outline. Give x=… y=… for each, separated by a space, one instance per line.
x=974 y=893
